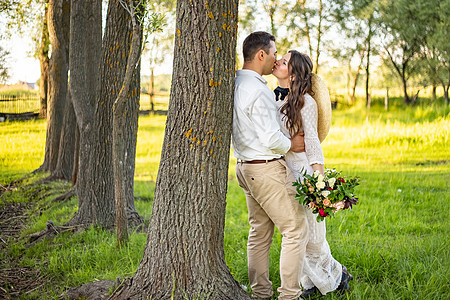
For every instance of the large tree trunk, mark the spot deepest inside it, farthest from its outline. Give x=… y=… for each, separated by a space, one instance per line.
x=184 y=256
x=58 y=22
x=95 y=184
x=44 y=64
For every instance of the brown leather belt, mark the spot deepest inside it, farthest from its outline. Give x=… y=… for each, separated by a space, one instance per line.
x=261 y=161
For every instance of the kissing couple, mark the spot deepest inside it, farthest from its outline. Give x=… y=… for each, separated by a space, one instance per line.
x=276 y=138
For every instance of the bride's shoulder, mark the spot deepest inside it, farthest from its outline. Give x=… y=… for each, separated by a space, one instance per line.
x=309 y=101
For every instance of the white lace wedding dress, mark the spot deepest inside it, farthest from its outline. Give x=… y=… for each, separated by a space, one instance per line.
x=320 y=268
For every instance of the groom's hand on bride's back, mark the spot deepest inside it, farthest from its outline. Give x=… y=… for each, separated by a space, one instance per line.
x=298 y=143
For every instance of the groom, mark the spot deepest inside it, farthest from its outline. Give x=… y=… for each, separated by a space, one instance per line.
x=262 y=173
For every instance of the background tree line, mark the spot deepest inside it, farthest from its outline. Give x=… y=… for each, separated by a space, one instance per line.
x=408 y=37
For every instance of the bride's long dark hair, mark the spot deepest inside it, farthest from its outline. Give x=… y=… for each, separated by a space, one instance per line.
x=300 y=68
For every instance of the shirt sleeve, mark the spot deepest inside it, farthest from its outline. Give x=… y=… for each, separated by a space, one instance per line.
x=264 y=116
x=312 y=143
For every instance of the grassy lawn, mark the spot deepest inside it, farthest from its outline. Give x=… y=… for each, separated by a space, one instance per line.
x=395 y=241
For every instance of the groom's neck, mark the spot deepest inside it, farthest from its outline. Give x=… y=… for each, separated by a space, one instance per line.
x=252 y=66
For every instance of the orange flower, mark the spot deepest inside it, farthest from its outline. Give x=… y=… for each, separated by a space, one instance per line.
x=327 y=202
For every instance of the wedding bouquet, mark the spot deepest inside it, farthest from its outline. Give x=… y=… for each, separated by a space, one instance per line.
x=326 y=194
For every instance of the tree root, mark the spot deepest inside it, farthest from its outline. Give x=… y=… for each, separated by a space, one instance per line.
x=48 y=179
x=135 y=221
x=13 y=184
x=65 y=196
x=50 y=232
x=96 y=290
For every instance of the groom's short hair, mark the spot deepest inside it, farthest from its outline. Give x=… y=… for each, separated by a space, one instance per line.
x=256 y=41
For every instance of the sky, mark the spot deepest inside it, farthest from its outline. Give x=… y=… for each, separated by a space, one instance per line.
x=24 y=67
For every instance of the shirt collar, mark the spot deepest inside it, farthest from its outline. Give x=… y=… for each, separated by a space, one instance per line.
x=247 y=72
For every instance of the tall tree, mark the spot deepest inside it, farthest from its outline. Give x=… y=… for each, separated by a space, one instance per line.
x=96 y=79
x=119 y=130
x=310 y=20
x=84 y=65
x=433 y=21
x=58 y=24
x=401 y=43
x=44 y=61
x=356 y=21
x=184 y=256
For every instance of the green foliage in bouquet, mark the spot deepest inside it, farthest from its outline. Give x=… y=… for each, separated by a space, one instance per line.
x=326 y=194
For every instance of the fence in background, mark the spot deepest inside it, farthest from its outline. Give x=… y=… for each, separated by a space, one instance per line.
x=19 y=104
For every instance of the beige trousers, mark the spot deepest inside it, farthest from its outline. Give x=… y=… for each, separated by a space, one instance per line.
x=270 y=201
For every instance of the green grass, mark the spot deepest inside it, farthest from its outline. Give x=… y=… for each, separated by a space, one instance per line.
x=395 y=241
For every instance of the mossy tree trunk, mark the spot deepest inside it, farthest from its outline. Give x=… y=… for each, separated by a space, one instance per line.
x=184 y=255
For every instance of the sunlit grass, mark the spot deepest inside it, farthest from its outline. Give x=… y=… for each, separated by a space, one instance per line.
x=395 y=241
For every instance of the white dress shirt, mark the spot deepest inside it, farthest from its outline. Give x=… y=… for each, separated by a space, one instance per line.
x=256 y=125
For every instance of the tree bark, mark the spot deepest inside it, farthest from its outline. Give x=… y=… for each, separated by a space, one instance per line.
x=65 y=164
x=76 y=156
x=184 y=255
x=44 y=64
x=58 y=22
x=433 y=92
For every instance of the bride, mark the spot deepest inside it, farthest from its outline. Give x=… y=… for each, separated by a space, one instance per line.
x=299 y=113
